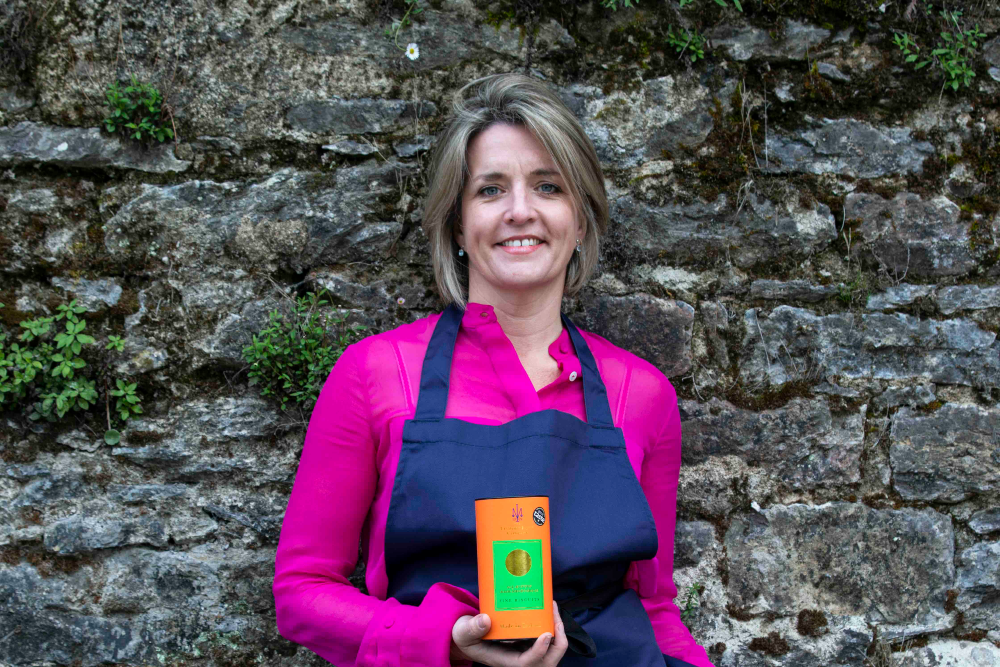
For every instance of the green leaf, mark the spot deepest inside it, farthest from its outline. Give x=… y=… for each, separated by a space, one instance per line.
x=112 y=437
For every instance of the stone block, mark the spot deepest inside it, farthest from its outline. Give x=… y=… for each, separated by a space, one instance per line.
x=890 y=566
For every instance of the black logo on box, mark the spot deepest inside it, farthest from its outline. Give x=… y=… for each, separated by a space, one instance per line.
x=539 y=516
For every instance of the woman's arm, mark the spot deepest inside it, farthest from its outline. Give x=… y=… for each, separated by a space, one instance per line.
x=655 y=579
x=316 y=605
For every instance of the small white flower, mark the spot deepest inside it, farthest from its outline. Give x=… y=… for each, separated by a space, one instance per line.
x=882 y=7
x=412 y=51
x=400 y=301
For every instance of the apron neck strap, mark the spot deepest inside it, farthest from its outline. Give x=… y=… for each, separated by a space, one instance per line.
x=435 y=378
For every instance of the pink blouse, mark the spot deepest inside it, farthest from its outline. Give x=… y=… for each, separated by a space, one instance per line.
x=345 y=476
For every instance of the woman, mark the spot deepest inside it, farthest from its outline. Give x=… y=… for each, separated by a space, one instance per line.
x=499 y=395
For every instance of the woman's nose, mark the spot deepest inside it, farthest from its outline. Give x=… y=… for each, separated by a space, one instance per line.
x=521 y=208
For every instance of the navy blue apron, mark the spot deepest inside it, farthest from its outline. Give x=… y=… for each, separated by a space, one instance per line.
x=601 y=521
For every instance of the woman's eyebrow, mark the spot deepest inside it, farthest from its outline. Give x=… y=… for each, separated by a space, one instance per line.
x=498 y=175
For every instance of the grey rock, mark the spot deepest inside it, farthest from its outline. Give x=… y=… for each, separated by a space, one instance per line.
x=780 y=347
x=268 y=527
x=848 y=147
x=746 y=42
x=801 y=444
x=911 y=236
x=994 y=73
x=991 y=51
x=630 y=128
x=218 y=143
x=913 y=396
x=94 y=295
x=51 y=488
x=716 y=321
x=794 y=290
x=83 y=533
x=348 y=147
x=977 y=568
x=830 y=71
x=138 y=494
x=658 y=330
x=225 y=344
x=81 y=440
x=966 y=297
x=396 y=290
x=179 y=435
x=898 y=296
x=693 y=233
x=36 y=200
x=140 y=580
x=985 y=521
x=784 y=558
x=29 y=142
x=691 y=540
x=211 y=294
x=419 y=144
x=962 y=183
x=446 y=39
x=26 y=471
x=946 y=456
x=292 y=219
x=140 y=356
x=14 y=103
x=358 y=116
x=950 y=653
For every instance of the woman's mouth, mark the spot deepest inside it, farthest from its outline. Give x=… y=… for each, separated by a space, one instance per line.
x=520 y=246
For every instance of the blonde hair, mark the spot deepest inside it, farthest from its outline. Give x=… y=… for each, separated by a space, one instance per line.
x=517 y=100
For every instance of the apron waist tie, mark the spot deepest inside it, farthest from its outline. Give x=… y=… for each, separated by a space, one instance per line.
x=580 y=642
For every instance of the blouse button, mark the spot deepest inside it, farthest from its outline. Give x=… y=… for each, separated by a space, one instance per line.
x=572 y=376
x=563 y=348
x=389 y=622
x=484 y=314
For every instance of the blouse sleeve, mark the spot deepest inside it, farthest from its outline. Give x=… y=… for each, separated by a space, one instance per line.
x=316 y=605
x=659 y=478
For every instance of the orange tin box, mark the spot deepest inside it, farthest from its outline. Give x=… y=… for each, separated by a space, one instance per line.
x=515 y=566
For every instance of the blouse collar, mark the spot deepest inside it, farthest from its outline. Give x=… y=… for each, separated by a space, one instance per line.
x=480 y=314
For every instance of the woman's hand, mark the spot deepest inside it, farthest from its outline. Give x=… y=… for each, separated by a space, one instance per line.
x=467 y=644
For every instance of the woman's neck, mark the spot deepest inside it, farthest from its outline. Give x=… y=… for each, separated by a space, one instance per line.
x=531 y=321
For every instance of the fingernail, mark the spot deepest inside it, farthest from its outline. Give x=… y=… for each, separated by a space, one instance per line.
x=481 y=621
x=546 y=641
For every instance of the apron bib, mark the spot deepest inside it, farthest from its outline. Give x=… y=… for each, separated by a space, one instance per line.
x=600 y=519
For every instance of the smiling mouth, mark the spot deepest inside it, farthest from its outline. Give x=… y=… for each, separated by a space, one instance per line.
x=517 y=243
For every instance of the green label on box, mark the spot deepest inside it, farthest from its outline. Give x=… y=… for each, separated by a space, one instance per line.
x=517 y=575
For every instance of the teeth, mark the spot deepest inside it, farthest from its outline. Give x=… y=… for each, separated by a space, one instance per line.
x=517 y=243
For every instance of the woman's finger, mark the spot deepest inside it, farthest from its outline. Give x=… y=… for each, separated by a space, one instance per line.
x=559 y=643
x=535 y=656
x=469 y=630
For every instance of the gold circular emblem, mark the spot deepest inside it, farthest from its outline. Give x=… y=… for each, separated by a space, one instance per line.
x=518 y=562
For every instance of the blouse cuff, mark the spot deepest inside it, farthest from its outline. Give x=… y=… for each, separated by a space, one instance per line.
x=421 y=635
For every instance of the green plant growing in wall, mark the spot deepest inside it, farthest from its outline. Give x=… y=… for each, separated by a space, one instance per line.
x=613 y=5
x=691 y=602
x=413 y=7
x=685 y=40
x=50 y=381
x=291 y=358
x=136 y=111
x=954 y=55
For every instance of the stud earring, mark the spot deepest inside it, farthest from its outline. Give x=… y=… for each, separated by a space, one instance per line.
x=461 y=251
x=579 y=247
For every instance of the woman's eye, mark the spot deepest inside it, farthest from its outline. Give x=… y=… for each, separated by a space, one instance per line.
x=555 y=188
x=490 y=191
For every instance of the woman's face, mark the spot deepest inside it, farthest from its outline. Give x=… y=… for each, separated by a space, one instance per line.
x=518 y=227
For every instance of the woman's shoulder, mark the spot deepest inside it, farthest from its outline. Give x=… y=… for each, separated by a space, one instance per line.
x=400 y=343
x=621 y=367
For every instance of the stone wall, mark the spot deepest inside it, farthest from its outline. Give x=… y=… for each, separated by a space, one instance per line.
x=805 y=239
